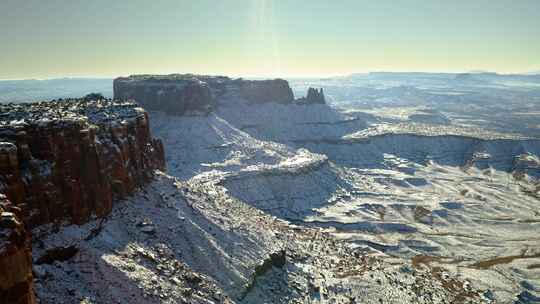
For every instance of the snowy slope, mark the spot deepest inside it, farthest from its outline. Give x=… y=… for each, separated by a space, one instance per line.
x=190 y=242
x=307 y=204
x=455 y=195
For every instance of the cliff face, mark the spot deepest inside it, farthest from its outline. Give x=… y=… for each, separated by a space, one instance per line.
x=181 y=93
x=260 y=91
x=173 y=94
x=16 y=281
x=65 y=161
x=62 y=162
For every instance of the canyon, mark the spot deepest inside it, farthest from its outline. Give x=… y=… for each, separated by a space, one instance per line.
x=232 y=191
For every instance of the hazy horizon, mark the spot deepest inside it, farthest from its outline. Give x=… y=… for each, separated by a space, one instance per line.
x=107 y=77
x=51 y=39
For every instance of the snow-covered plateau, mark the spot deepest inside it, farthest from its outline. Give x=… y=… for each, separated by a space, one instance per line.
x=292 y=203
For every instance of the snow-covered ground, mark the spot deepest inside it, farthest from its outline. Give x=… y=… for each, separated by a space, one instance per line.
x=464 y=199
x=311 y=204
x=191 y=242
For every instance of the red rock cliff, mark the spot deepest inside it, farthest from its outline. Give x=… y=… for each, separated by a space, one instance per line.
x=16 y=281
x=64 y=161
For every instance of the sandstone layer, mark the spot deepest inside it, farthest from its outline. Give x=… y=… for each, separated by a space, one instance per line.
x=16 y=280
x=64 y=161
x=181 y=93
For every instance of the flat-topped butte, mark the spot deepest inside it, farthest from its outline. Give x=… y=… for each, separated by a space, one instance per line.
x=183 y=93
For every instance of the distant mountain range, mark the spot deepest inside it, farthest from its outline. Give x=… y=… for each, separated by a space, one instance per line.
x=37 y=90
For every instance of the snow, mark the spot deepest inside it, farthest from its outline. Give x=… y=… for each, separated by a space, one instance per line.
x=363 y=209
x=210 y=255
x=6 y=147
x=404 y=189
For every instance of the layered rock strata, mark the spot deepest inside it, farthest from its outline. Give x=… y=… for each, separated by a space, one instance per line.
x=65 y=161
x=16 y=280
x=181 y=93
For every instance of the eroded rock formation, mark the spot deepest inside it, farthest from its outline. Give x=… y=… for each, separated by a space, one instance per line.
x=16 y=280
x=314 y=96
x=64 y=161
x=179 y=94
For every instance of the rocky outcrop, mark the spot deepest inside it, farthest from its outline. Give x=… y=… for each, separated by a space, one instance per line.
x=181 y=93
x=261 y=91
x=173 y=94
x=314 y=96
x=16 y=280
x=65 y=161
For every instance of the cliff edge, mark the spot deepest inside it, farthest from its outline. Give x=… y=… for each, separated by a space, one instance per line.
x=64 y=161
x=181 y=93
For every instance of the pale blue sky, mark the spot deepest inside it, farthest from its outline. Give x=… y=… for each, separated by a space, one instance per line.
x=54 y=38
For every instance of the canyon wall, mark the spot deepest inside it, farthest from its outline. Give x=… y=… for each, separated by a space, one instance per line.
x=179 y=93
x=260 y=91
x=65 y=161
x=173 y=94
x=16 y=281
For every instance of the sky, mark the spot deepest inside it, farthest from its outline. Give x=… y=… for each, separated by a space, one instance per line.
x=287 y=38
